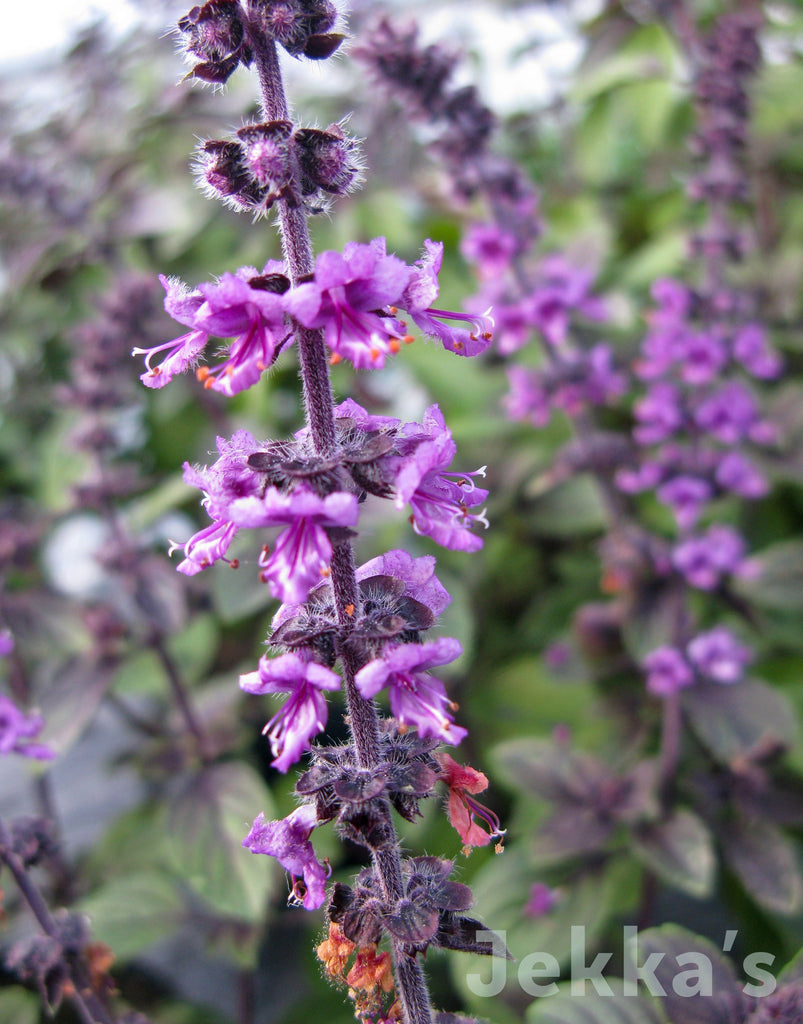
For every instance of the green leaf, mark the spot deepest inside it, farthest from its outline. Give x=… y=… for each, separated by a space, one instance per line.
x=734 y=720
x=70 y=702
x=779 y=582
x=592 y=1008
x=765 y=861
x=724 y=999
x=500 y=891
x=237 y=593
x=129 y=914
x=20 y=1006
x=524 y=697
x=209 y=820
x=571 y=509
x=680 y=850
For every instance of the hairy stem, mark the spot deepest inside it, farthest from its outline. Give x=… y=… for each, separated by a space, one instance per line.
x=86 y=1003
x=319 y=405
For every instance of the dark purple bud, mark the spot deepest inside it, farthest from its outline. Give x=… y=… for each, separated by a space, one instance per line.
x=319 y=47
x=223 y=173
x=214 y=34
x=412 y=923
x=266 y=153
x=357 y=911
x=295 y=24
x=461 y=933
x=32 y=839
x=328 y=160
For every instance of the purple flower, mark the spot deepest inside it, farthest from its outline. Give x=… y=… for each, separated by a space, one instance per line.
x=562 y=290
x=527 y=400
x=490 y=248
x=239 y=306
x=228 y=479
x=182 y=352
x=542 y=900
x=247 y=307
x=416 y=698
x=302 y=553
x=702 y=355
x=17 y=730
x=643 y=478
x=288 y=841
x=751 y=349
x=303 y=714
x=418 y=574
x=730 y=414
x=6 y=643
x=737 y=473
x=659 y=413
x=718 y=655
x=686 y=496
x=422 y=290
x=440 y=500
x=346 y=298
x=667 y=671
x=206 y=547
x=705 y=558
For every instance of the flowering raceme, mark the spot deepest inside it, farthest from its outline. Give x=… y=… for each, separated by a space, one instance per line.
x=369 y=622
x=354 y=297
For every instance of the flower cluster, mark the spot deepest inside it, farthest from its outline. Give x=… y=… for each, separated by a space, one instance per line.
x=699 y=429
x=221 y=34
x=358 y=631
x=274 y=160
x=287 y=485
x=354 y=297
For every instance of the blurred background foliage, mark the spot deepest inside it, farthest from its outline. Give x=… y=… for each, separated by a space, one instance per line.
x=96 y=202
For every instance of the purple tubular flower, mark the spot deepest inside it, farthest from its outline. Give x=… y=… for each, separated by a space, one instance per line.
x=730 y=414
x=206 y=547
x=562 y=291
x=542 y=900
x=182 y=352
x=667 y=671
x=440 y=500
x=527 y=399
x=737 y=473
x=685 y=495
x=303 y=551
x=416 y=698
x=226 y=480
x=253 y=317
x=422 y=290
x=304 y=713
x=659 y=413
x=718 y=655
x=346 y=298
x=288 y=841
x=702 y=355
x=17 y=730
x=418 y=574
x=490 y=248
x=246 y=306
x=752 y=350
x=705 y=558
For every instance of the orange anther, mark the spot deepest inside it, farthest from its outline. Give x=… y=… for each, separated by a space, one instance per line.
x=408 y=339
x=394 y=345
x=349 y=609
x=335 y=358
x=202 y=373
